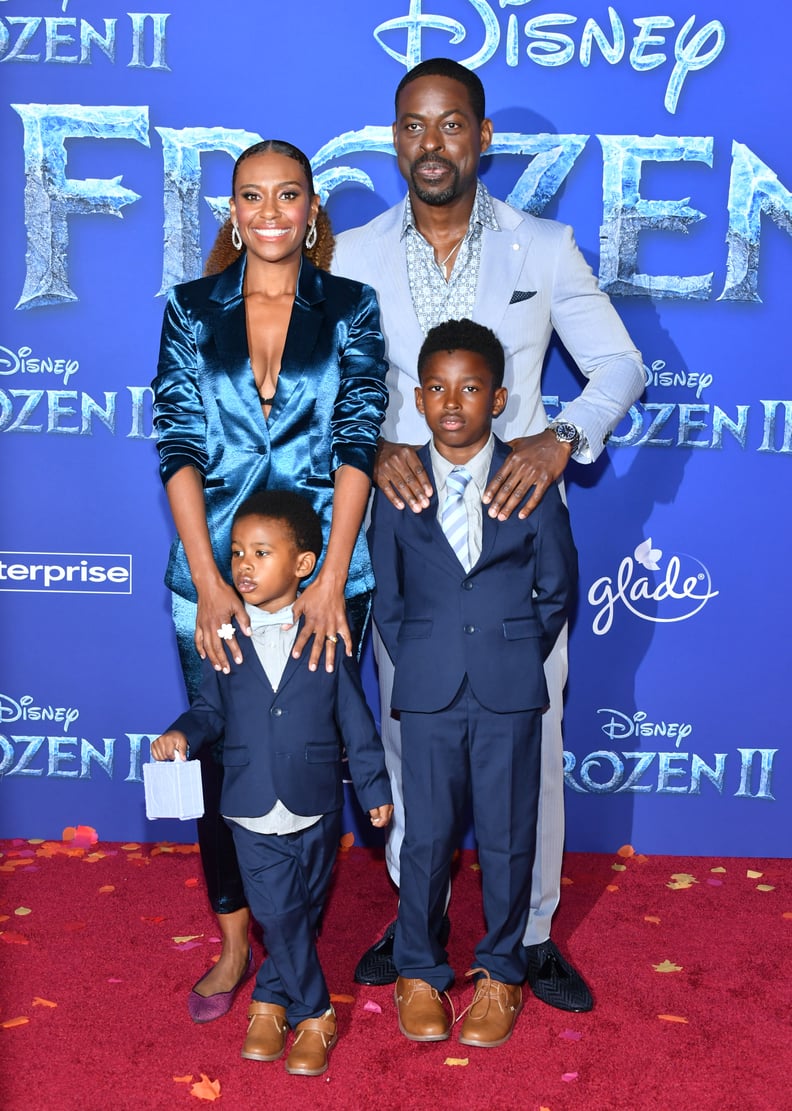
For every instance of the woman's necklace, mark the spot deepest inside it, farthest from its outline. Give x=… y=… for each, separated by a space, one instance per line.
x=456 y=247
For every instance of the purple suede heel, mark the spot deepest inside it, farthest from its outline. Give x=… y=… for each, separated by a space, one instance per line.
x=206 y=1008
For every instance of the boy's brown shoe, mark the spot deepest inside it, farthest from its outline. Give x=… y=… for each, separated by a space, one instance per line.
x=266 y=1035
x=491 y=1016
x=313 y=1040
x=422 y=1017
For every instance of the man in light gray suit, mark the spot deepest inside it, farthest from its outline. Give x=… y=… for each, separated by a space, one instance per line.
x=449 y=251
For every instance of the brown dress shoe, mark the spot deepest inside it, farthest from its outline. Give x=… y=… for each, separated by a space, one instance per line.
x=491 y=1016
x=422 y=1017
x=313 y=1040
x=266 y=1034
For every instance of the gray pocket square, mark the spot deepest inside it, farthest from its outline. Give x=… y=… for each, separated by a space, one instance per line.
x=522 y=295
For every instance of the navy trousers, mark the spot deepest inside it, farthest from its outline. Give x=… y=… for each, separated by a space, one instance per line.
x=286 y=879
x=461 y=754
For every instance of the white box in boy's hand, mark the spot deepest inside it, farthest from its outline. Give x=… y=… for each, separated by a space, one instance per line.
x=173 y=789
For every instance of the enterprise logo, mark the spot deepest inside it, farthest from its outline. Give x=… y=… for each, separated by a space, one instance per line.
x=66 y=572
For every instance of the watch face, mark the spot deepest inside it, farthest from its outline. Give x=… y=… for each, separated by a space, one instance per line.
x=566 y=433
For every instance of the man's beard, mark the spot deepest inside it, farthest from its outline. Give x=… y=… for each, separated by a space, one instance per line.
x=422 y=193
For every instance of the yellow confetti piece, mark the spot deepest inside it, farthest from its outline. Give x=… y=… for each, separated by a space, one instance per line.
x=683 y=877
x=129 y=847
x=566 y=881
x=619 y=867
x=456 y=1062
x=754 y=875
x=39 y=1002
x=765 y=887
x=717 y=870
x=667 y=966
x=21 y=1020
x=35 y=841
x=183 y=1079
x=108 y=887
x=612 y=887
x=475 y=867
x=672 y=1018
x=22 y=911
x=626 y=851
x=652 y=918
x=186 y=937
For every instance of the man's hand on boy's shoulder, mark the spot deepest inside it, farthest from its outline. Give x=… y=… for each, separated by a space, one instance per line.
x=401 y=476
x=534 y=461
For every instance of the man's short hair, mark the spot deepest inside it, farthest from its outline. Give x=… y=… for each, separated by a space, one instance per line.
x=465 y=335
x=295 y=511
x=444 y=67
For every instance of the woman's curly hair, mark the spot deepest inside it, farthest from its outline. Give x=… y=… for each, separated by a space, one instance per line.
x=223 y=252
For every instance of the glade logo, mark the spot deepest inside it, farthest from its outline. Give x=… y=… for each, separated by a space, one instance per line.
x=22 y=362
x=25 y=709
x=547 y=45
x=66 y=572
x=676 y=595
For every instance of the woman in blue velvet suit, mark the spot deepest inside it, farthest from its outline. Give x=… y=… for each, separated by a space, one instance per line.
x=271 y=374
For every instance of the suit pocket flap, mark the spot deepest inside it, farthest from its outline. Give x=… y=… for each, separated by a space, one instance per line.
x=517 y=628
x=322 y=753
x=415 y=630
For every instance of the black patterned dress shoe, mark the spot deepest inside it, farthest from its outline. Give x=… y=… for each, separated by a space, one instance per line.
x=376 y=968
x=553 y=979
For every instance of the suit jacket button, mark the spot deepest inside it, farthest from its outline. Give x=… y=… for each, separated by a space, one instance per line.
x=277 y=711
x=470 y=629
x=467 y=584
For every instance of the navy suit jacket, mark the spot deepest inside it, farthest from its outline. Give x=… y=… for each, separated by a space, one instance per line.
x=287 y=744
x=495 y=624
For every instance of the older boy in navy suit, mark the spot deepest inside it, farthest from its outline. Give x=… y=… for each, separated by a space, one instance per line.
x=283 y=727
x=468 y=608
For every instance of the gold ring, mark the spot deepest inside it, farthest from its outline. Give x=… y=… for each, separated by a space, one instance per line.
x=332 y=639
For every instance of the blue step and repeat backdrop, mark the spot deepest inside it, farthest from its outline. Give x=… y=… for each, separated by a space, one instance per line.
x=660 y=131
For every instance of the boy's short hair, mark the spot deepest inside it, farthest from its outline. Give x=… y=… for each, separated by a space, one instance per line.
x=445 y=67
x=295 y=511
x=465 y=335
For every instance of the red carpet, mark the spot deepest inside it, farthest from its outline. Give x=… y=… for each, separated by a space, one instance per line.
x=689 y=961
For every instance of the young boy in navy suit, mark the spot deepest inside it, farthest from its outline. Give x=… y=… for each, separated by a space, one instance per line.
x=468 y=607
x=283 y=728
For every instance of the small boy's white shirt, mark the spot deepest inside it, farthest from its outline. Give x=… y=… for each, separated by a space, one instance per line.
x=478 y=467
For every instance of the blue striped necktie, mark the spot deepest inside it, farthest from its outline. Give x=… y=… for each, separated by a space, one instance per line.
x=454 y=519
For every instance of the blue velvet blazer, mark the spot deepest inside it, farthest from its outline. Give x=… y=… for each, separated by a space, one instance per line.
x=328 y=408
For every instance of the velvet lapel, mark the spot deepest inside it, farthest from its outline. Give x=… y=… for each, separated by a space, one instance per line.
x=230 y=334
x=229 y=330
x=306 y=320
